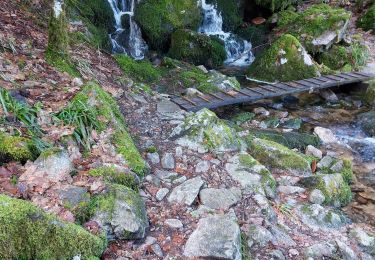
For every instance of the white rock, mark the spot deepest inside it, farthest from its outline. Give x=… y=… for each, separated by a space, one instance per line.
x=326 y=135
x=160 y=195
x=174 y=223
x=311 y=150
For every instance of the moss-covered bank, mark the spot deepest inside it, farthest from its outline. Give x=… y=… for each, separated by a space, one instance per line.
x=367 y=21
x=26 y=232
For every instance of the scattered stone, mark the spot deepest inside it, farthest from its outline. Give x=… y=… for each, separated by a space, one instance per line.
x=317 y=197
x=187 y=191
x=321 y=251
x=281 y=238
x=179 y=180
x=326 y=162
x=346 y=252
x=219 y=198
x=290 y=189
x=73 y=195
x=160 y=195
x=157 y=250
x=167 y=161
x=261 y=111
x=311 y=150
x=166 y=176
x=364 y=239
x=338 y=167
x=174 y=223
x=215 y=237
x=258 y=236
x=276 y=255
x=325 y=135
x=329 y=95
x=154 y=158
x=293 y=252
x=202 y=166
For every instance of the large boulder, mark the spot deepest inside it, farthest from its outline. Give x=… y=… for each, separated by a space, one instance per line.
x=121 y=212
x=367 y=21
x=318 y=27
x=279 y=157
x=204 y=131
x=217 y=237
x=26 y=232
x=197 y=48
x=158 y=19
x=285 y=60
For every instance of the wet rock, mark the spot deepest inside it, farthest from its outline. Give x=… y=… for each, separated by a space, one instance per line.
x=154 y=158
x=215 y=237
x=160 y=195
x=279 y=157
x=187 y=191
x=317 y=197
x=167 y=161
x=325 y=135
x=173 y=223
x=251 y=175
x=311 y=150
x=122 y=213
x=258 y=236
x=204 y=131
x=219 y=198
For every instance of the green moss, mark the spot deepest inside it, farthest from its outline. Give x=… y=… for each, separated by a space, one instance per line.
x=275 y=5
x=370 y=93
x=367 y=21
x=152 y=149
x=26 y=232
x=257 y=35
x=138 y=70
x=278 y=156
x=49 y=152
x=247 y=161
x=58 y=40
x=62 y=64
x=347 y=171
x=197 y=79
x=313 y=22
x=16 y=148
x=335 y=58
x=243 y=117
x=112 y=175
x=158 y=19
x=334 y=192
x=197 y=48
x=283 y=61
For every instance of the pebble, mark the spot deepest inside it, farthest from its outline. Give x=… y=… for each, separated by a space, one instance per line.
x=311 y=150
x=202 y=166
x=316 y=197
x=174 y=223
x=157 y=250
x=154 y=158
x=167 y=162
x=160 y=195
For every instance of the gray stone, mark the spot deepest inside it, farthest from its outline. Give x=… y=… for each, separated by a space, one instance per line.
x=346 y=252
x=215 y=237
x=311 y=150
x=317 y=217
x=258 y=236
x=338 y=167
x=261 y=111
x=325 y=135
x=317 y=197
x=154 y=158
x=290 y=189
x=166 y=106
x=321 y=251
x=281 y=238
x=73 y=195
x=187 y=191
x=126 y=218
x=329 y=95
x=174 y=223
x=157 y=250
x=202 y=166
x=160 y=195
x=276 y=255
x=326 y=162
x=219 y=198
x=364 y=239
x=166 y=176
x=167 y=161
x=179 y=180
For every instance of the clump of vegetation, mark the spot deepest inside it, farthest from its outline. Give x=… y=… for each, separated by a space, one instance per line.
x=196 y=48
x=94 y=109
x=26 y=232
x=139 y=70
x=243 y=117
x=112 y=175
x=158 y=19
x=367 y=21
x=16 y=148
x=285 y=60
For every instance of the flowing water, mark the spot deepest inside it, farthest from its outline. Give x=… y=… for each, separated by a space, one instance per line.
x=128 y=37
x=238 y=50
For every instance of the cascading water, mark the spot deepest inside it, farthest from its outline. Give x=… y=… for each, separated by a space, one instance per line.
x=238 y=50
x=128 y=37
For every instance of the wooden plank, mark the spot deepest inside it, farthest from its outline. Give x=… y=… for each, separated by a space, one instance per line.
x=215 y=96
x=203 y=98
x=188 y=100
x=256 y=91
x=267 y=89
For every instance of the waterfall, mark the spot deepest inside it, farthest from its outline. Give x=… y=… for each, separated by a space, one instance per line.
x=238 y=50
x=128 y=37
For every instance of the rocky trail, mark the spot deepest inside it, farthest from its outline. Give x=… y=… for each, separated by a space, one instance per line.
x=268 y=180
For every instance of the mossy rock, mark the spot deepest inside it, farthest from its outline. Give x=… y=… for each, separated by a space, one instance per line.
x=367 y=21
x=26 y=232
x=197 y=48
x=139 y=70
x=336 y=190
x=318 y=27
x=340 y=57
x=285 y=60
x=275 y=5
x=279 y=157
x=121 y=212
x=230 y=12
x=367 y=121
x=94 y=108
x=113 y=175
x=289 y=139
x=204 y=130
x=16 y=148
x=370 y=93
x=158 y=19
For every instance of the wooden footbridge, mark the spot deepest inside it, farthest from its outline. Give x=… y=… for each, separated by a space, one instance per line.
x=252 y=94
